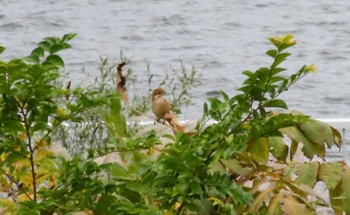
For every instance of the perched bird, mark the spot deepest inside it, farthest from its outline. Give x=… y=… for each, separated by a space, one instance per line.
x=160 y=106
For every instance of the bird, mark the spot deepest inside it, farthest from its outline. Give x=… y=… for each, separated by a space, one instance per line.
x=160 y=106
x=162 y=109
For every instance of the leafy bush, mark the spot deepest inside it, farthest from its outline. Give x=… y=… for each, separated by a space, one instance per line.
x=79 y=137
x=244 y=156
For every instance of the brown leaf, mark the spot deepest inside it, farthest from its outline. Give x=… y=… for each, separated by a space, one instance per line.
x=121 y=80
x=67 y=90
x=274 y=207
x=263 y=196
x=292 y=207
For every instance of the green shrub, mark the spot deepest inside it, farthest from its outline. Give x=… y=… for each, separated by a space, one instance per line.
x=244 y=163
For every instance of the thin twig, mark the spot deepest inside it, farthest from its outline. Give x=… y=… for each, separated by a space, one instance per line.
x=15 y=182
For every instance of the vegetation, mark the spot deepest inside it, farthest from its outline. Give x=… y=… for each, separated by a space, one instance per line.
x=249 y=161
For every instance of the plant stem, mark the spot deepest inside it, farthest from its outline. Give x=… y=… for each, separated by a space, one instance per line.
x=31 y=151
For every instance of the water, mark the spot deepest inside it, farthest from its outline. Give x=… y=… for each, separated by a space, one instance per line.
x=220 y=38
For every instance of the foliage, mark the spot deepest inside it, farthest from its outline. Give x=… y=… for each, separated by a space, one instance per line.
x=27 y=107
x=31 y=109
x=245 y=156
x=79 y=137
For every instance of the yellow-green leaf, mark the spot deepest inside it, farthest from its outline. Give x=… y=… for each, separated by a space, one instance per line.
x=293 y=149
x=235 y=167
x=336 y=199
x=277 y=103
x=274 y=207
x=278 y=148
x=317 y=132
x=7 y=206
x=261 y=197
x=3 y=156
x=259 y=149
x=216 y=201
x=291 y=206
x=41 y=154
x=338 y=140
x=310 y=149
x=346 y=190
x=308 y=174
x=340 y=195
x=331 y=174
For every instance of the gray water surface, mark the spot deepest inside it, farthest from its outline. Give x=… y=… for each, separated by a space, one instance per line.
x=220 y=38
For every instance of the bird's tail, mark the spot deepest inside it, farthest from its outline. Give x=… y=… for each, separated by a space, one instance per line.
x=170 y=117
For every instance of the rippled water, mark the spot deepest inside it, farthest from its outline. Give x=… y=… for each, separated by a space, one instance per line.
x=220 y=38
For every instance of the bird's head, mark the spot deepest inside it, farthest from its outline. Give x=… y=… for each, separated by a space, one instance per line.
x=157 y=93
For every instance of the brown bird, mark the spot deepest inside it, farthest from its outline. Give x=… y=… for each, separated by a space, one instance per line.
x=160 y=106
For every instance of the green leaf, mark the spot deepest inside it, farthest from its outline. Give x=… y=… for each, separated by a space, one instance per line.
x=248 y=73
x=136 y=186
x=3 y=67
x=32 y=59
x=214 y=103
x=259 y=149
x=276 y=103
x=283 y=56
x=337 y=138
x=280 y=58
x=224 y=95
x=12 y=125
x=205 y=109
x=336 y=199
x=49 y=66
x=284 y=46
x=278 y=148
x=68 y=37
x=120 y=172
x=272 y=53
x=2 y=49
x=277 y=70
x=264 y=74
x=39 y=52
x=340 y=195
x=346 y=190
x=45 y=45
x=195 y=187
x=115 y=119
x=235 y=167
x=293 y=149
x=52 y=40
x=317 y=132
x=56 y=48
x=276 y=79
x=308 y=173
x=310 y=149
x=331 y=174
x=55 y=59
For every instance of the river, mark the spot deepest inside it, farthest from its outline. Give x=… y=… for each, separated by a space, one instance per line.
x=220 y=38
